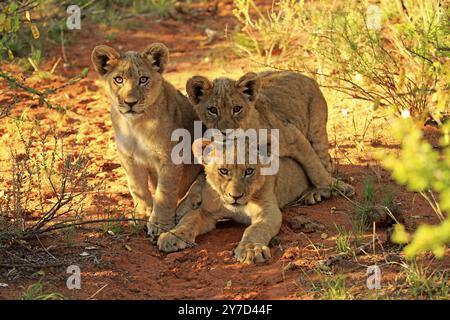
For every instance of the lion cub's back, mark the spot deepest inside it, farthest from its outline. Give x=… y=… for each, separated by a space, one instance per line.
x=288 y=95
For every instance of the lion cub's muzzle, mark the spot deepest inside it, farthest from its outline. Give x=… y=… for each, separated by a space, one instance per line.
x=131 y=108
x=235 y=199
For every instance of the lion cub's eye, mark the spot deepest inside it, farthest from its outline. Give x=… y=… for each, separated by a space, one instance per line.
x=249 y=171
x=237 y=109
x=223 y=171
x=143 y=80
x=212 y=110
x=118 y=80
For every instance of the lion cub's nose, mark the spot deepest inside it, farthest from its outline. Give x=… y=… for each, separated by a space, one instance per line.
x=235 y=197
x=131 y=104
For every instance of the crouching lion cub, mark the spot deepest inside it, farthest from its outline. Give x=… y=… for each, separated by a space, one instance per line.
x=145 y=110
x=241 y=193
x=288 y=101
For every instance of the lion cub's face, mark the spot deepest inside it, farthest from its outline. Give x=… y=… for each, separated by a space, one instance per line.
x=236 y=183
x=133 y=80
x=224 y=103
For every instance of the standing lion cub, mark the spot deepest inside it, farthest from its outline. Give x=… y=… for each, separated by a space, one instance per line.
x=145 y=110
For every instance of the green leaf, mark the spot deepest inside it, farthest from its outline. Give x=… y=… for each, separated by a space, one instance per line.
x=15 y=24
x=12 y=7
x=41 y=101
x=2 y=21
x=428 y=237
x=400 y=235
x=376 y=104
x=7 y=25
x=85 y=72
x=10 y=55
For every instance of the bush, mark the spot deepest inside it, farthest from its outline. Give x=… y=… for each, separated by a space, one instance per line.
x=276 y=36
x=423 y=169
x=29 y=27
x=43 y=96
x=401 y=64
x=386 y=55
x=47 y=185
x=27 y=32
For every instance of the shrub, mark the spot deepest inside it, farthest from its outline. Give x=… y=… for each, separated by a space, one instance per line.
x=29 y=27
x=42 y=96
x=276 y=36
x=27 y=32
x=425 y=170
x=47 y=185
x=401 y=63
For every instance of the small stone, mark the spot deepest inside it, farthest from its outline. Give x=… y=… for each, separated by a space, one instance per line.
x=275 y=241
x=393 y=258
x=302 y=223
x=324 y=235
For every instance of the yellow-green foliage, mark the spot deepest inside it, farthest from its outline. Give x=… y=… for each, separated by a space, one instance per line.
x=400 y=60
x=421 y=168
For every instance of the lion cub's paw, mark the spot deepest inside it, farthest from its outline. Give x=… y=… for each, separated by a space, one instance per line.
x=169 y=242
x=155 y=229
x=249 y=253
x=316 y=195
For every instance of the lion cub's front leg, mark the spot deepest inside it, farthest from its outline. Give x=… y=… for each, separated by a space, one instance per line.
x=164 y=201
x=137 y=177
x=266 y=223
x=191 y=225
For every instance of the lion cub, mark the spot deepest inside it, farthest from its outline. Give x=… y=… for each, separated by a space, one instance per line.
x=239 y=192
x=288 y=101
x=145 y=110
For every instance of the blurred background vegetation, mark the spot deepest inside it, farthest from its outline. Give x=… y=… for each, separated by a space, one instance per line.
x=29 y=27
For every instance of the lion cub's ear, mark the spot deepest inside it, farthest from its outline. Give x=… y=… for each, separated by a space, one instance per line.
x=196 y=87
x=103 y=58
x=206 y=151
x=249 y=85
x=158 y=55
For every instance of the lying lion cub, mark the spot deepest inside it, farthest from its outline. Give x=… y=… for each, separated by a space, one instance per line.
x=288 y=101
x=241 y=193
x=145 y=110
